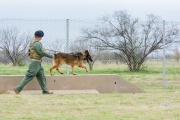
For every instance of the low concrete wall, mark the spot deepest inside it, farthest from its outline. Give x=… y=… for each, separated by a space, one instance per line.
x=102 y=83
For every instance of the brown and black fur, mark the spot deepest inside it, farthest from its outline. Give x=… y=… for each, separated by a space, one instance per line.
x=72 y=59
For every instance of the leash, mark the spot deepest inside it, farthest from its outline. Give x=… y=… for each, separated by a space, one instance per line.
x=52 y=50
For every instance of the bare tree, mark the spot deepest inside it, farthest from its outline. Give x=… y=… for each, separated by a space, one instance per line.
x=176 y=55
x=131 y=39
x=78 y=46
x=56 y=46
x=106 y=57
x=14 y=44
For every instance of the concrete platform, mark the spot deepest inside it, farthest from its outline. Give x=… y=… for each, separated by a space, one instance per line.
x=103 y=83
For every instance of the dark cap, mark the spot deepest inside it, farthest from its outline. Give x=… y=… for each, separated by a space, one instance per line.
x=39 y=33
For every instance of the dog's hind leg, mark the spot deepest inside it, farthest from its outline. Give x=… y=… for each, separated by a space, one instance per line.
x=59 y=70
x=53 y=67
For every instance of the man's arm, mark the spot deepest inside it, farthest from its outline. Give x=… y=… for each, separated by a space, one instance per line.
x=38 y=47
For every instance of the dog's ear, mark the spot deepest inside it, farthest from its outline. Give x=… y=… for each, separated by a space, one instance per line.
x=86 y=52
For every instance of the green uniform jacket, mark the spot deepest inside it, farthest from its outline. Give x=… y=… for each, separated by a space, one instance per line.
x=37 y=46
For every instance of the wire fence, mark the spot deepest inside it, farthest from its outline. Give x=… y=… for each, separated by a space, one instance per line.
x=134 y=46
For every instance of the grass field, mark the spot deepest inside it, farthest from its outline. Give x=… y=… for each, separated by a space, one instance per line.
x=157 y=104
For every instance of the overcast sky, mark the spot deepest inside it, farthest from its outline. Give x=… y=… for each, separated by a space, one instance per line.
x=88 y=9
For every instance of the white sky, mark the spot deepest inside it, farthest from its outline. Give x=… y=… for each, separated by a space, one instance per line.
x=88 y=9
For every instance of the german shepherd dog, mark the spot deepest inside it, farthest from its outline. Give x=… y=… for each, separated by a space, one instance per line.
x=72 y=59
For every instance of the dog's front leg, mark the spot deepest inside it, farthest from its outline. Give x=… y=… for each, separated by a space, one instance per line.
x=83 y=66
x=53 y=67
x=72 y=70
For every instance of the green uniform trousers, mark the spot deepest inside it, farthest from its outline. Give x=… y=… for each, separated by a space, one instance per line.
x=35 y=69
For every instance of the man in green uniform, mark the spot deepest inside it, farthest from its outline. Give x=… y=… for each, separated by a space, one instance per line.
x=36 y=52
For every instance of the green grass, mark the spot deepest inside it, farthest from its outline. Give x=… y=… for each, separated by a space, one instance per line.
x=157 y=104
x=163 y=105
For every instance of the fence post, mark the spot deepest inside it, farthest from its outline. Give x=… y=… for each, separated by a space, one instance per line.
x=67 y=43
x=164 y=58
